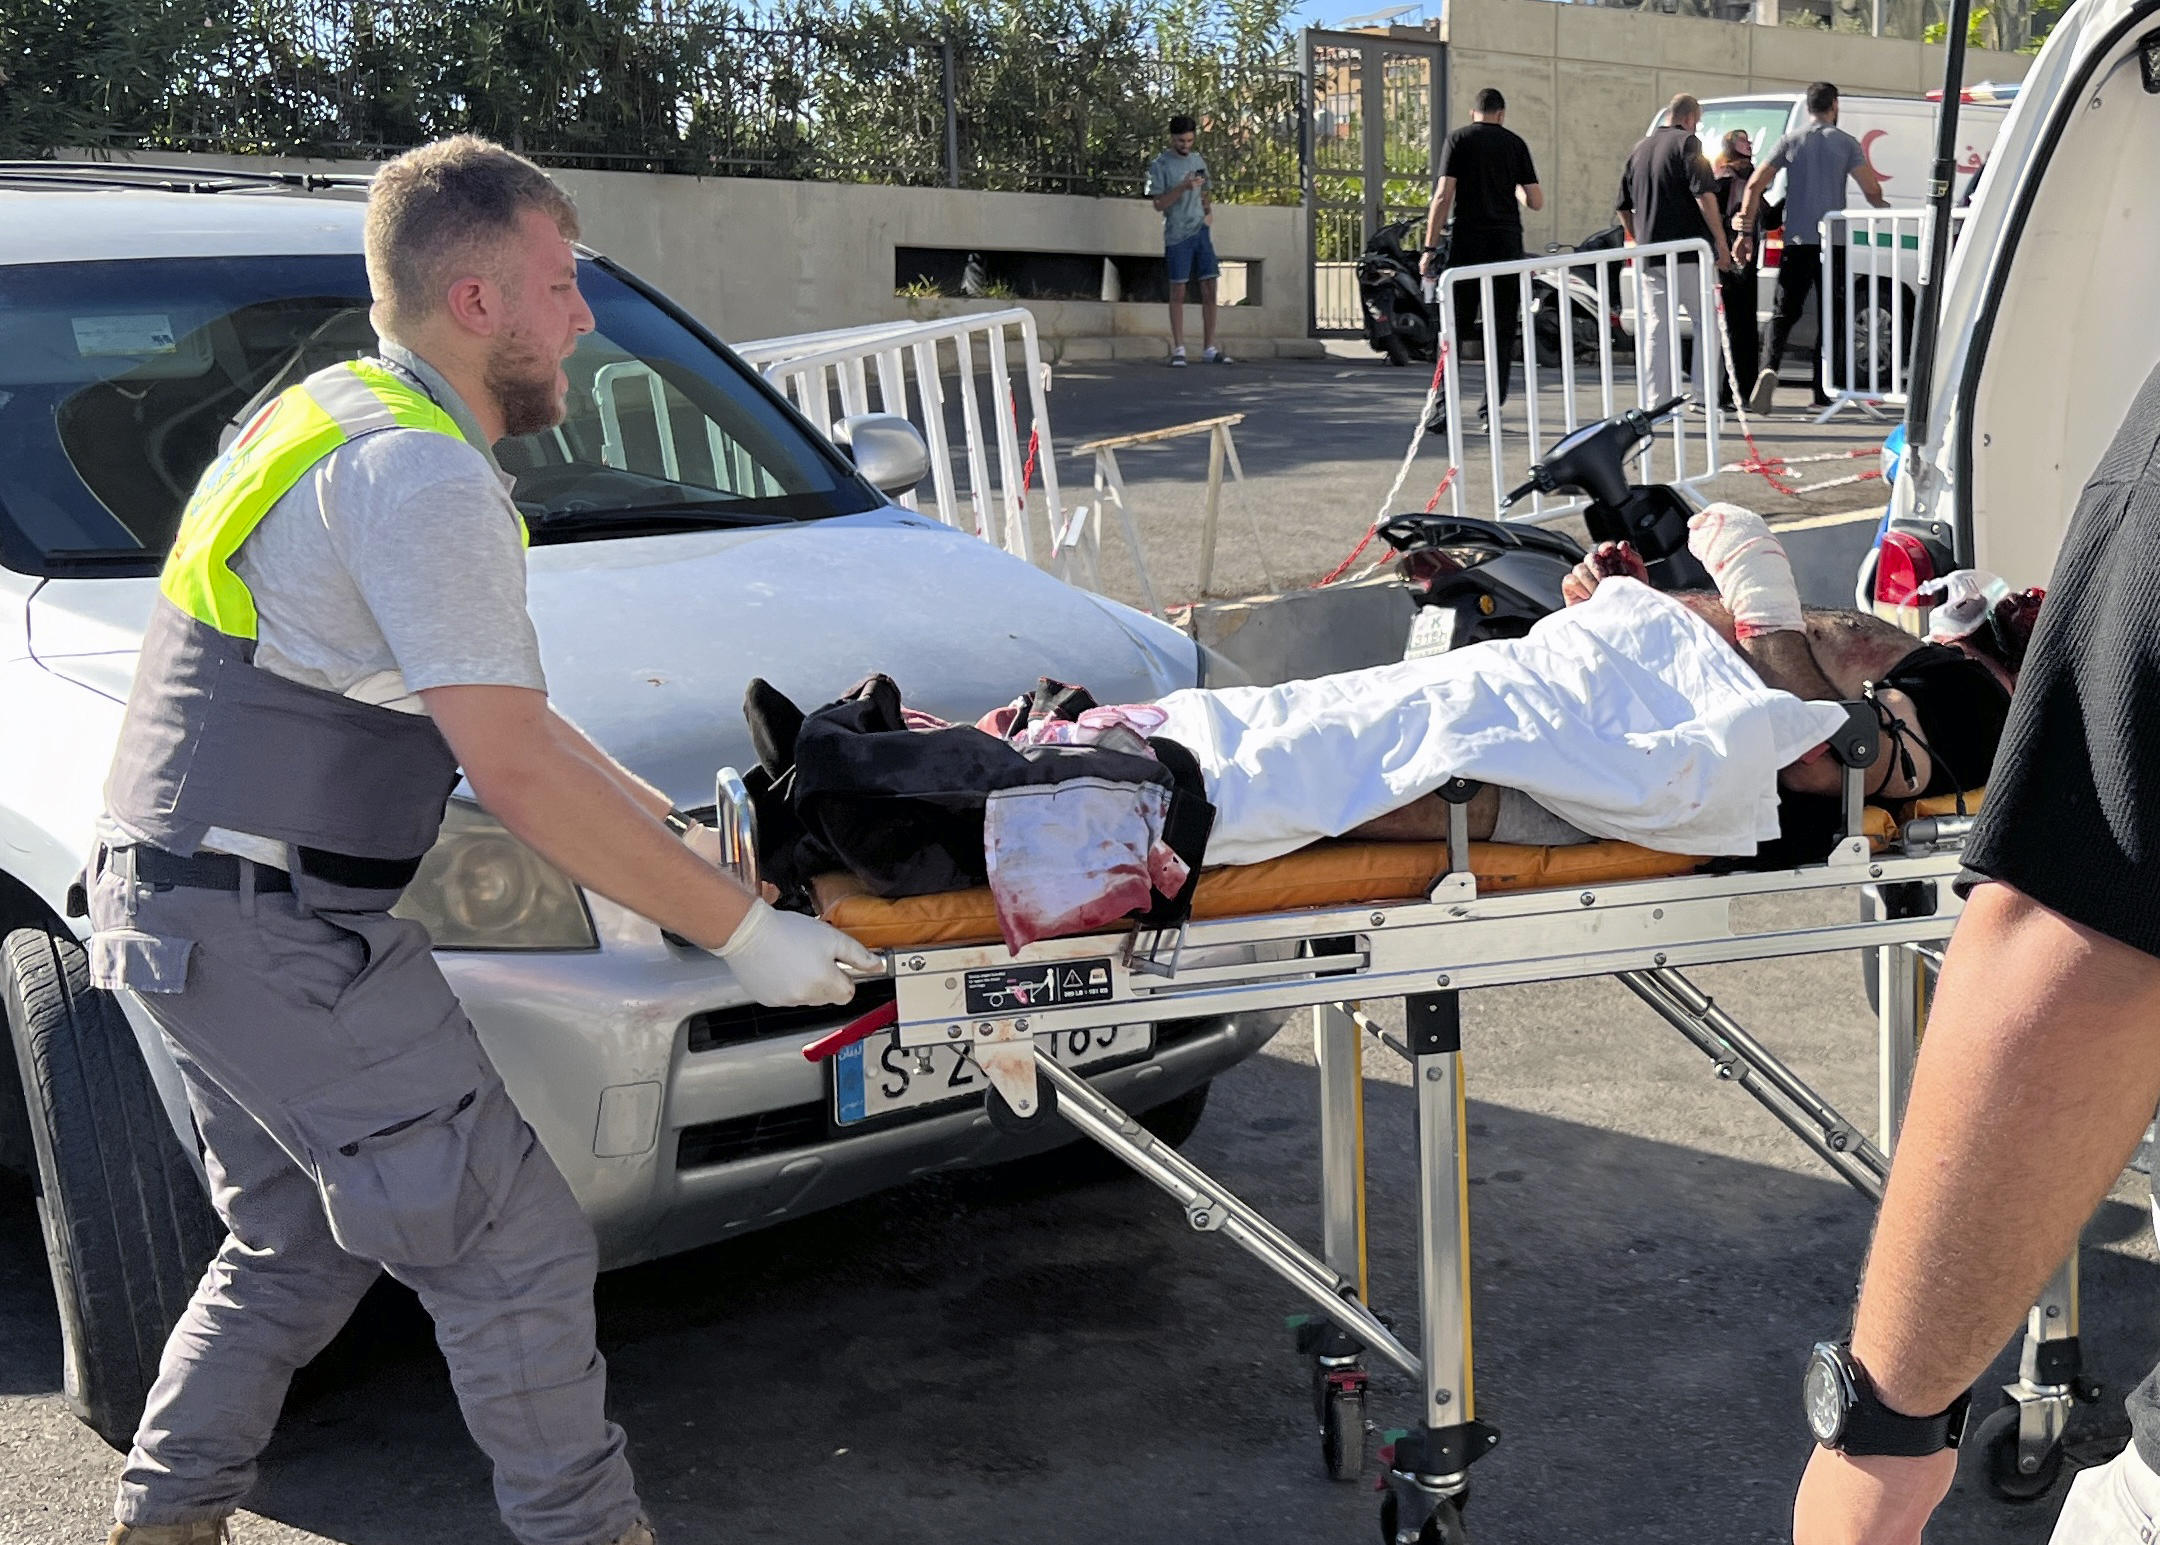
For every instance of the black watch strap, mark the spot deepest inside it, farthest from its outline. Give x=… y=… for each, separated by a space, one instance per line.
x=1870 y=1427
x=1873 y=1428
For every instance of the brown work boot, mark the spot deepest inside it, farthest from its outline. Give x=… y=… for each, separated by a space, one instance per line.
x=204 y=1531
x=639 y=1533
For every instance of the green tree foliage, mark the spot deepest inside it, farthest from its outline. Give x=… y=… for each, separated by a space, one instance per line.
x=1051 y=96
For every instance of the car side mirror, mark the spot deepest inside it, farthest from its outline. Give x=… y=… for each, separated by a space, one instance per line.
x=887 y=450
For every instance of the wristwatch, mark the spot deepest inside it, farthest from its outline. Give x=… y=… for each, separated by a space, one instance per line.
x=678 y=823
x=1844 y=1413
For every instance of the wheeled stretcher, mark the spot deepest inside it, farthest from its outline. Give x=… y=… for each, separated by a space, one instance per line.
x=1341 y=925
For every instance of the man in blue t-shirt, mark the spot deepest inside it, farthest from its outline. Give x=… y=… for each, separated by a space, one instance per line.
x=1177 y=186
x=1816 y=161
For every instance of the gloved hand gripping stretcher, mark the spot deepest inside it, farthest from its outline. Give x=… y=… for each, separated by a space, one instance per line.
x=1334 y=924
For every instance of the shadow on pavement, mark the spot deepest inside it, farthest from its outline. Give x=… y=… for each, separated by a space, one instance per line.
x=990 y=1356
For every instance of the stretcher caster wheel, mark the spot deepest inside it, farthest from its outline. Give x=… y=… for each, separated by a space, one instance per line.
x=1011 y=1122
x=1997 y=1440
x=1445 y=1527
x=1342 y=1431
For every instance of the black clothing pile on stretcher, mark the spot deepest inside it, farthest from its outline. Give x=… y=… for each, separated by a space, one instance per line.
x=900 y=800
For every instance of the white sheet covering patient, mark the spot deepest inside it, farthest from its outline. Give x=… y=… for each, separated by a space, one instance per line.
x=1625 y=716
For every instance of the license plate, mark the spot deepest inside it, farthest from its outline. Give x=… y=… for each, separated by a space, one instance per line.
x=879 y=1076
x=1432 y=631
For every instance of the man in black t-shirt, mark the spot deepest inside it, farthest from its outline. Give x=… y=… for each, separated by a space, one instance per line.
x=1667 y=193
x=1484 y=168
x=2041 y=1065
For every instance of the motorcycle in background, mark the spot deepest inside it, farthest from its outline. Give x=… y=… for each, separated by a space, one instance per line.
x=1401 y=323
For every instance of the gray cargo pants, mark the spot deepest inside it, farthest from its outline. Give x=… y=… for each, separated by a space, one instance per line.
x=351 y=1124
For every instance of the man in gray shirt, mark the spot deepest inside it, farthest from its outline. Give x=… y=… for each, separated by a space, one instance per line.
x=1177 y=182
x=339 y=630
x=1816 y=161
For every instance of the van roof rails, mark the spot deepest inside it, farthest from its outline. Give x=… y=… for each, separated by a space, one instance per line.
x=168 y=179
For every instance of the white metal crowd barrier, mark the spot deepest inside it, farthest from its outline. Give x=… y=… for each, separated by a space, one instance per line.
x=1870 y=293
x=1576 y=303
x=835 y=375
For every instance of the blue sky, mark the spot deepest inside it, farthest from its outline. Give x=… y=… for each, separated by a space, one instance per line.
x=1329 y=13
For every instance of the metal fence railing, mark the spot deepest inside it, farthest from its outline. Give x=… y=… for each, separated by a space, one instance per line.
x=903 y=93
x=1601 y=332
x=1870 y=296
x=870 y=369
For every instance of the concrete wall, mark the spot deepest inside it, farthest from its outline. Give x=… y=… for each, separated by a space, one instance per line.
x=756 y=258
x=1582 y=81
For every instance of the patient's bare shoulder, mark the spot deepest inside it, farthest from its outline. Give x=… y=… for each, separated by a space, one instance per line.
x=1853 y=647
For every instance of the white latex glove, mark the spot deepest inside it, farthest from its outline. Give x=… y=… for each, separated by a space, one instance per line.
x=784 y=959
x=1749 y=566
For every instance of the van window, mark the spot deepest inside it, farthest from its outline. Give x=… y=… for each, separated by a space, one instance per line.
x=119 y=381
x=1764 y=121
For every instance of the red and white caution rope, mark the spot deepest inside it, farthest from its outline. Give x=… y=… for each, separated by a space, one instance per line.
x=1402 y=473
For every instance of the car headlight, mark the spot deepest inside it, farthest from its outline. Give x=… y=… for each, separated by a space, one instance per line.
x=479 y=888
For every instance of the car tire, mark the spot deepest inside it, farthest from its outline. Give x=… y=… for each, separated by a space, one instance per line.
x=127 y=1227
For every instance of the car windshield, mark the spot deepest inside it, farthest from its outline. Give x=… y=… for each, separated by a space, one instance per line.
x=120 y=380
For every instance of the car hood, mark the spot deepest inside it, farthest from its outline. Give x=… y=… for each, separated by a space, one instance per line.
x=649 y=642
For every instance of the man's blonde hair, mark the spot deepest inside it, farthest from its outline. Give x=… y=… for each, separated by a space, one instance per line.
x=1683 y=109
x=429 y=209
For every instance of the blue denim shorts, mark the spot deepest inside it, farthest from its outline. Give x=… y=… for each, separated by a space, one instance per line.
x=1192 y=258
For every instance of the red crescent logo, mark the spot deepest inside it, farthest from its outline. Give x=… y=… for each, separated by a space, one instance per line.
x=1867 y=151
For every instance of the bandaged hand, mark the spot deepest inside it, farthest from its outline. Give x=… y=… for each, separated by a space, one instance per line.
x=1750 y=569
x=784 y=959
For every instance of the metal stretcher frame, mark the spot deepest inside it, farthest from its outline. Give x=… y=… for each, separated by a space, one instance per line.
x=1428 y=952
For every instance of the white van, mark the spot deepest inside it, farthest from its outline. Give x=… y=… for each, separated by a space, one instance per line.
x=2047 y=330
x=1898 y=135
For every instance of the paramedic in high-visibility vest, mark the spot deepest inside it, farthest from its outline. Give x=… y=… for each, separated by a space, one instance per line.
x=341 y=628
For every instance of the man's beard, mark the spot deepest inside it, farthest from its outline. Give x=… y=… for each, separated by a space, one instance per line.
x=521 y=379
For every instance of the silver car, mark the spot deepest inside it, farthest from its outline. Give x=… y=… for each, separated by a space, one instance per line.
x=676 y=555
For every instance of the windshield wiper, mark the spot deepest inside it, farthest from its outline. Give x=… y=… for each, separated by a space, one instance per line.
x=65 y=559
x=694 y=517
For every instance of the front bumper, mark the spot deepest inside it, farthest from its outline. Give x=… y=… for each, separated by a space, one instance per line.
x=673 y=1135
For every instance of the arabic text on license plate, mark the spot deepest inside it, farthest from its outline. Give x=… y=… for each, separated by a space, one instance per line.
x=878 y=1076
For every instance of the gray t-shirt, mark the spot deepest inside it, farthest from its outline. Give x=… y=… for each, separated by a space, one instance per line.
x=396 y=564
x=1816 y=160
x=1187 y=215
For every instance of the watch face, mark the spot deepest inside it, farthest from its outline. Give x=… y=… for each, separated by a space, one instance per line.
x=1823 y=1394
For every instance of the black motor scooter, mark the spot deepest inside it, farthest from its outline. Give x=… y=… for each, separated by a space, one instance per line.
x=1402 y=324
x=1474 y=580
x=1399 y=321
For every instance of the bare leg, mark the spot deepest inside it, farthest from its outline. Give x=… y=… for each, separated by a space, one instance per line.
x=1207 y=313
x=1177 y=314
x=1426 y=819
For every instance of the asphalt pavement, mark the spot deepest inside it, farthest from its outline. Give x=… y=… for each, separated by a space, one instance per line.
x=1321 y=444
x=1041 y=1353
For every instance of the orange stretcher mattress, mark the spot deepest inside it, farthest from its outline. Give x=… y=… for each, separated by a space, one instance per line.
x=1327 y=874
x=1324 y=875
x=1883 y=825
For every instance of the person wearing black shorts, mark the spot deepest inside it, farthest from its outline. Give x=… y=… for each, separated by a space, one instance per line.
x=2041 y=1065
